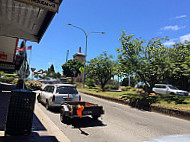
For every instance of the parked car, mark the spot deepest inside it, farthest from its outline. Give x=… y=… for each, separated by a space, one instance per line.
x=166 y=89
x=53 y=95
x=172 y=138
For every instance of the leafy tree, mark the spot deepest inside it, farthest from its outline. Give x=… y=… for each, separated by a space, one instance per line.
x=118 y=70
x=90 y=82
x=58 y=75
x=101 y=68
x=149 y=62
x=70 y=66
x=125 y=81
x=180 y=65
x=51 y=71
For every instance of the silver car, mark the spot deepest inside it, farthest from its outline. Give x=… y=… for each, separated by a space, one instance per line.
x=165 y=89
x=53 y=95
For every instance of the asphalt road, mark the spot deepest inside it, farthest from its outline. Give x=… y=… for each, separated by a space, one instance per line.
x=120 y=123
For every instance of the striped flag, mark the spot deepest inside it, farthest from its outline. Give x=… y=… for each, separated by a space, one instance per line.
x=21 y=49
x=24 y=48
x=29 y=48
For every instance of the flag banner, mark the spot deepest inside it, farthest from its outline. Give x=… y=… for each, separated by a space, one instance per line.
x=29 y=48
x=24 y=48
x=21 y=49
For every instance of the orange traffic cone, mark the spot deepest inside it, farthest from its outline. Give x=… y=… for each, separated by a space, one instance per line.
x=79 y=110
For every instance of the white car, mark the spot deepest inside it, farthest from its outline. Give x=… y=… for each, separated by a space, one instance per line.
x=166 y=89
x=53 y=95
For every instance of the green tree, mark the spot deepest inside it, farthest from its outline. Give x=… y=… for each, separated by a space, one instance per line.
x=149 y=62
x=58 y=75
x=101 y=68
x=180 y=65
x=51 y=71
x=71 y=66
x=118 y=71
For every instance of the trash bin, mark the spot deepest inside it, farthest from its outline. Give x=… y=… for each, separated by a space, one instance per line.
x=20 y=112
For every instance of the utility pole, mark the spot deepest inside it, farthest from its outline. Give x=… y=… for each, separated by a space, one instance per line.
x=67 y=55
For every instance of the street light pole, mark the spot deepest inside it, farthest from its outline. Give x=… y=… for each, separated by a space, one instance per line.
x=86 y=36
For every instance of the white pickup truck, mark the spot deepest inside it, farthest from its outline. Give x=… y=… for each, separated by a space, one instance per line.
x=166 y=89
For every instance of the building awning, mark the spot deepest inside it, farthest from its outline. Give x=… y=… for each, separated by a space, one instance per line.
x=26 y=20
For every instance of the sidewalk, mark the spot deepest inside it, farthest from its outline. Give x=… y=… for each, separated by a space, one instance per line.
x=43 y=129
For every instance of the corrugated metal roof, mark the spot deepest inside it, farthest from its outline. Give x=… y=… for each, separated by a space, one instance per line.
x=23 y=20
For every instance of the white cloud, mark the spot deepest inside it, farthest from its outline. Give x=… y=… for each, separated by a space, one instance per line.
x=181 y=16
x=174 y=28
x=169 y=43
x=185 y=37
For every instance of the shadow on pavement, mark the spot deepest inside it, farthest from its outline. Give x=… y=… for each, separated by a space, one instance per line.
x=34 y=137
x=4 y=103
x=37 y=125
x=85 y=122
x=55 y=110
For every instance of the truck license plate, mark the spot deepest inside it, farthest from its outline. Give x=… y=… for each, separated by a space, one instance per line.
x=87 y=112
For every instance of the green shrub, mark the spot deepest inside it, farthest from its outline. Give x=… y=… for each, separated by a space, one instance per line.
x=90 y=82
x=126 y=88
x=7 y=79
x=133 y=89
x=3 y=80
x=14 y=81
x=108 y=86
x=115 y=87
x=33 y=85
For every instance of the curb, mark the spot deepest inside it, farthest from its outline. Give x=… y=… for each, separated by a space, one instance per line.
x=171 y=112
x=52 y=129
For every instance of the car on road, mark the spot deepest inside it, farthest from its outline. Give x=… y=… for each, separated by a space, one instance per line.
x=53 y=95
x=167 y=89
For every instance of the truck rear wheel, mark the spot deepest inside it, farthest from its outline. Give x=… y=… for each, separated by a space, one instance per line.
x=63 y=118
x=95 y=117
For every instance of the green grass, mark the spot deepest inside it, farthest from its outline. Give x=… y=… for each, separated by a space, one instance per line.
x=111 y=94
x=167 y=101
x=173 y=105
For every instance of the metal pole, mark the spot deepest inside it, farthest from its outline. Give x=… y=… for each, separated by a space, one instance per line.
x=67 y=55
x=86 y=35
x=129 y=84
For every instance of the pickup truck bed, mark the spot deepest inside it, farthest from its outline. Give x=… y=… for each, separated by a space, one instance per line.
x=78 y=109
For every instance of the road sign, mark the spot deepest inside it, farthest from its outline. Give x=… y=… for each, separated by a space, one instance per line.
x=47 y=4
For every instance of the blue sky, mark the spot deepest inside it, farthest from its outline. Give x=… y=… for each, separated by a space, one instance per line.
x=143 y=18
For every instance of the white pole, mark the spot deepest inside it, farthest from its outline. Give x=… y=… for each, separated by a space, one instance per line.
x=129 y=84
